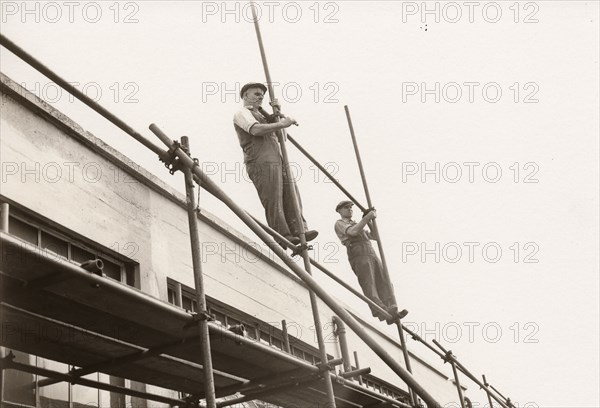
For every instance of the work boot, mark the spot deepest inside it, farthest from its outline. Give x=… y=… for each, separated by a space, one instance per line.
x=310 y=235
x=393 y=310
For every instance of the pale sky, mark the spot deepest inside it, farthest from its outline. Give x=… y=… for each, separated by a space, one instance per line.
x=478 y=132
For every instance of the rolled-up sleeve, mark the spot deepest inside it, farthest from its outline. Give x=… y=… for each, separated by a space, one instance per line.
x=341 y=228
x=244 y=119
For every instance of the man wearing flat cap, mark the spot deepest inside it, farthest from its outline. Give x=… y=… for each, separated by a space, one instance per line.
x=363 y=259
x=256 y=131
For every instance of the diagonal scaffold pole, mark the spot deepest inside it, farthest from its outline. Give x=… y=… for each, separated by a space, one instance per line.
x=310 y=282
x=281 y=135
x=380 y=247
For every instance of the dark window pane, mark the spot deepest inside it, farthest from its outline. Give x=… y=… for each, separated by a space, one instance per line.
x=188 y=304
x=219 y=317
x=15 y=382
x=112 y=270
x=55 y=244
x=252 y=332
x=80 y=255
x=297 y=352
x=130 y=275
x=117 y=400
x=171 y=296
x=277 y=343
x=265 y=338
x=23 y=230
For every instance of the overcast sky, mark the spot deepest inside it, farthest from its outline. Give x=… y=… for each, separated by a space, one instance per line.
x=478 y=128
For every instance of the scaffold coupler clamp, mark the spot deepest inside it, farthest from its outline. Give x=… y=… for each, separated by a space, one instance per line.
x=203 y=316
x=449 y=357
x=197 y=317
x=300 y=248
x=172 y=163
x=329 y=365
x=192 y=400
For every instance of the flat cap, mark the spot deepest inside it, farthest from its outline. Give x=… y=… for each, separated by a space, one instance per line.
x=252 y=85
x=342 y=204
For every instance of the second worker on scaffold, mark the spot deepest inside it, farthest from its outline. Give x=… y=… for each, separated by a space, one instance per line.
x=364 y=262
x=256 y=132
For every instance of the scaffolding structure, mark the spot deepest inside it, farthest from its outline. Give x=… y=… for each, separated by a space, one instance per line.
x=171 y=348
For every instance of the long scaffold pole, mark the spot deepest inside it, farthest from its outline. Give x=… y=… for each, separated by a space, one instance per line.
x=297 y=213
x=310 y=282
x=369 y=202
x=379 y=245
x=202 y=312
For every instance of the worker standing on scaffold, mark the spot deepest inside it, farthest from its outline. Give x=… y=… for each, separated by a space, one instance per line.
x=256 y=132
x=363 y=260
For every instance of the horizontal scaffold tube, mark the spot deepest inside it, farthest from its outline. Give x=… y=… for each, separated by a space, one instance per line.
x=308 y=279
x=91 y=383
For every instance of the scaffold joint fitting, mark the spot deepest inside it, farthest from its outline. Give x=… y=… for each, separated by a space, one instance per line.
x=301 y=248
x=172 y=163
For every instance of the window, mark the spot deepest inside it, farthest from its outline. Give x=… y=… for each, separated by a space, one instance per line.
x=265 y=333
x=116 y=266
x=59 y=241
x=23 y=230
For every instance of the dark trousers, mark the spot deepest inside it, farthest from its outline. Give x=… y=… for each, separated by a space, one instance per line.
x=274 y=190
x=369 y=271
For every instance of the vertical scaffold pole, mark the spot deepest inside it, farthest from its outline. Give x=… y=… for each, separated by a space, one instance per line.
x=4 y=221
x=369 y=202
x=202 y=313
x=297 y=214
x=456 y=380
x=485 y=383
x=380 y=247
